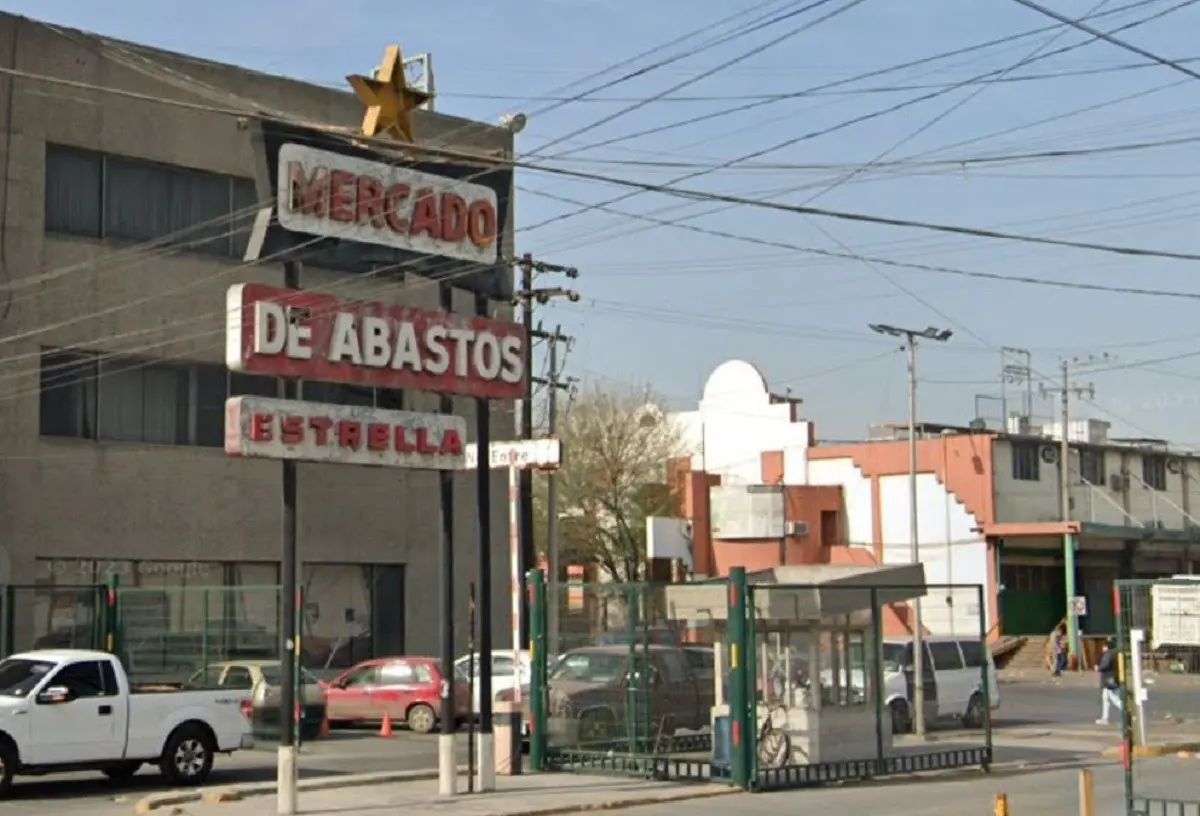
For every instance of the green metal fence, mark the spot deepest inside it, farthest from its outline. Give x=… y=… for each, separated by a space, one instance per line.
x=1156 y=702
x=170 y=635
x=763 y=686
x=51 y=617
x=624 y=688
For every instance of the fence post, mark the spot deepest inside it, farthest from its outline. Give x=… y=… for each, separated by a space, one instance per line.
x=537 y=656
x=985 y=681
x=877 y=680
x=1087 y=793
x=112 y=617
x=736 y=615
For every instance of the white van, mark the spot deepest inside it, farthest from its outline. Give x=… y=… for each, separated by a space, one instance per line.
x=953 y=681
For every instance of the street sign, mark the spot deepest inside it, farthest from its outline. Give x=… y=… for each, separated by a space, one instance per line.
x=1079 y=606
x=536 y=454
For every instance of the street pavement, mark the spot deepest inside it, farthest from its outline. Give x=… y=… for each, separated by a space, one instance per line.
x=1039 y=720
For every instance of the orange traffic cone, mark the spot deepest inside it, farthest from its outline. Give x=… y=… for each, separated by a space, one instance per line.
x=385 y=730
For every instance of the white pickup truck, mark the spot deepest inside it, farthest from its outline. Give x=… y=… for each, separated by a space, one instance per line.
x=73 y=710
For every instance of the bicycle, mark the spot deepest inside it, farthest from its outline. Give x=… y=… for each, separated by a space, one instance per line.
x=774 y=744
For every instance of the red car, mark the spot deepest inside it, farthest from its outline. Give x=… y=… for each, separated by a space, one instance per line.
x=408 y=689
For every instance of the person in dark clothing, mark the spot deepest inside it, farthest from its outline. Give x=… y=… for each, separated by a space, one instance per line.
x=1107 y=670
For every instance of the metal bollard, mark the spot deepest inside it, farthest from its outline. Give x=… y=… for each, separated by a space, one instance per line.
x=1001 y=804
x=1087 y=793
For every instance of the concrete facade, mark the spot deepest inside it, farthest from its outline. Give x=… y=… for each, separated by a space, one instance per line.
x=67 y=498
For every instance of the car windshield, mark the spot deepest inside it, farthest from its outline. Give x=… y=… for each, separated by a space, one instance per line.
x=589 y=667
x=19 y=677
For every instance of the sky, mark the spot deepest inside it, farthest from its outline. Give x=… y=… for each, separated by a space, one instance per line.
x=665 y=299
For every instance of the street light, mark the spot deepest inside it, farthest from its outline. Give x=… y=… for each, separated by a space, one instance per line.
x=910 y=337
x=514 y=123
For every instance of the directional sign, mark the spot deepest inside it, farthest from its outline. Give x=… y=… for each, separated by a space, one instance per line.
x=536 y=454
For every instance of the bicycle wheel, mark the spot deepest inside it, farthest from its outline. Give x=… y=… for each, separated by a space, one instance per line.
x=774 y=749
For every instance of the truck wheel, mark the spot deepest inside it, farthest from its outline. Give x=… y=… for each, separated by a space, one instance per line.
x=8 y=766
x=188 y=756
x=901 y=721
x=976 y=713
x=123 y=772
x=421 y=719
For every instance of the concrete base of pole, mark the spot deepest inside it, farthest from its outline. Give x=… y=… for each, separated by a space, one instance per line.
x=485 y=751
x=285 y=779
x=447 y=766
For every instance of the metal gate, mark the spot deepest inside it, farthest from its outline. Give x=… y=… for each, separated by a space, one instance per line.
x=1158 y=687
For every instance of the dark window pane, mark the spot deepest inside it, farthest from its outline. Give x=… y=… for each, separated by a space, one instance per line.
x=245 y=199
x=360 y=395
x=332 y=393
x=121 y=400
x=972 y=653
x=68 y=394
x=199 y=211
x=73 y=191
x=252 y=385
x=210 y=405
x=165 y=404
x=945 y=655
x=137 y=199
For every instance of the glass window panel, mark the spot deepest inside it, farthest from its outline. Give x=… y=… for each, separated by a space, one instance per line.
x=137 y=199
x=211 y=388
x=337 y=615
x=68 y=394
x=121 y=413
x=245 y=202
x=73 y=191
x=252 y=385
x=165 y=404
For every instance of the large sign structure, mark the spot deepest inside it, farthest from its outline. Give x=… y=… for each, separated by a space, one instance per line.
x=310 y=335
x=259 y=427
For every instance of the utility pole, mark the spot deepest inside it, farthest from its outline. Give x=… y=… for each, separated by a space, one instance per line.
x=555 y=383
x=910 y=337
x=1065 y=390
x=527 y=294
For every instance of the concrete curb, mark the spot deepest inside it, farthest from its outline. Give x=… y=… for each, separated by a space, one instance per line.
x=235 y=793
x=1182 y=749
x=621 y=804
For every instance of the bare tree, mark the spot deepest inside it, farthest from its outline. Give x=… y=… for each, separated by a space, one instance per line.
x=616 y=446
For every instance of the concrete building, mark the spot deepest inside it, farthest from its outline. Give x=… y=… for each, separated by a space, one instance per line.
x=113 y=364
x=989 y=510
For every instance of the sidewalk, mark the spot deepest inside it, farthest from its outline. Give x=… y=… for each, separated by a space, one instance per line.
x=1088 y=678
x=542 y=794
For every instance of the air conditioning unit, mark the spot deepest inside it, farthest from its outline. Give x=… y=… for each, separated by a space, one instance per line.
x=796 y=528
x=1049 y=454
x=1116 y=482
x=1174 y=465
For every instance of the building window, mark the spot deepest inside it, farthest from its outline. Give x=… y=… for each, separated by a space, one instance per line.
x=112 y=197
x=1091 y=466
x=1025 y=462
x=68 y=394
x=1154 y=472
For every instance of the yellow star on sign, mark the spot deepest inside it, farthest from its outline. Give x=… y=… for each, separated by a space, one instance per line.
x=389 y=99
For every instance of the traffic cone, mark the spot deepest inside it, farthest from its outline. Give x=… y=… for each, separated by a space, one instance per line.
x=385 y=730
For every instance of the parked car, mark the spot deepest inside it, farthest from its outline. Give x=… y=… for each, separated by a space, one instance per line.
x=74 y=710
x=589 y=692
x=263 y=680
x=407 y=689
x=505 y=673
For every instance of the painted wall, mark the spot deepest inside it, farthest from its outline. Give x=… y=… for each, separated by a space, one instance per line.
x=950 y=549
x=857 y=505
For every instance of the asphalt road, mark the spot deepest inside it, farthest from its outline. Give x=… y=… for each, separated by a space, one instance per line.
x=1069 y=707
x=342 y=752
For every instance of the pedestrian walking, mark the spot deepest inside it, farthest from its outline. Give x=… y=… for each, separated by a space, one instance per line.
x=1058 y=650
x=1107 y=671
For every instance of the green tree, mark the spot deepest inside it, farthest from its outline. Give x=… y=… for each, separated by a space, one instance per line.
x=617 y=445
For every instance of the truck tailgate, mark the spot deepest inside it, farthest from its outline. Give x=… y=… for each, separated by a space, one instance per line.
x=153 y=716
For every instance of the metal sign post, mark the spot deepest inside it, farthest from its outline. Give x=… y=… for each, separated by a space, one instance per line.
x=514 y=546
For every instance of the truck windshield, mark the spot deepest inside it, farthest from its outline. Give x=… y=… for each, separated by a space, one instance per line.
x=589 y=668
x=19 y=677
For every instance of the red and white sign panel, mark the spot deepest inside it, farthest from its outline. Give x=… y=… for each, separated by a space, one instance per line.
x=264 y=428
x=353 y=199
x=314 y=336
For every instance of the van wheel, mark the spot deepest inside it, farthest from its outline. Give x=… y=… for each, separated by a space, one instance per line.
x=976 y=713
x=901 y=718
x=187 y=758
